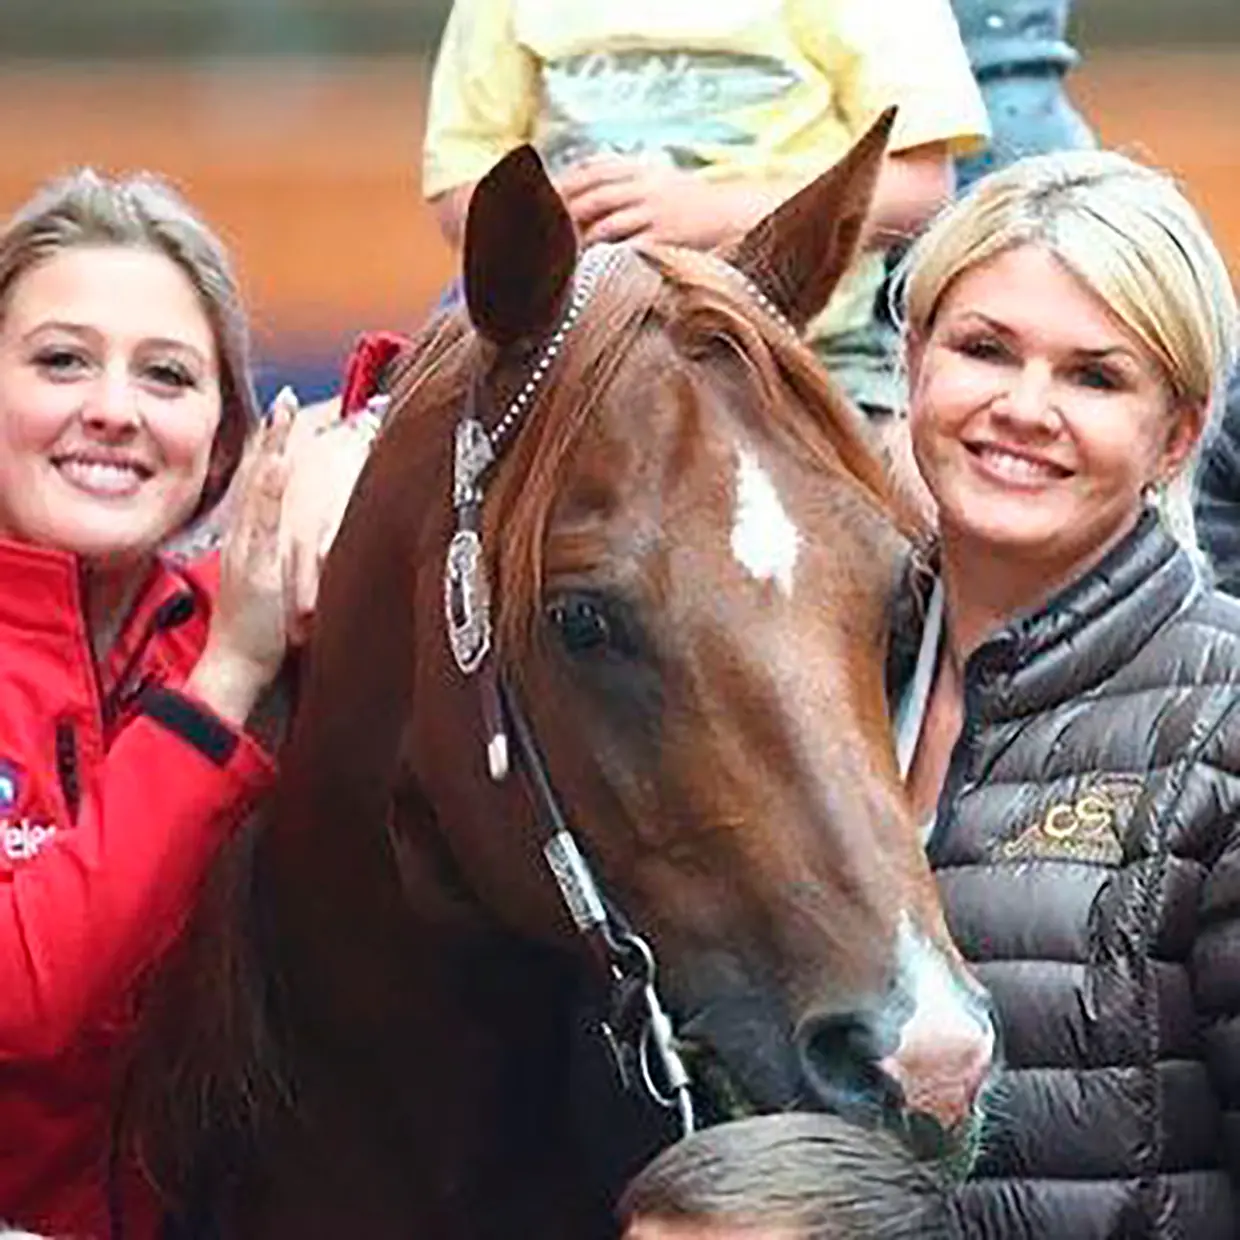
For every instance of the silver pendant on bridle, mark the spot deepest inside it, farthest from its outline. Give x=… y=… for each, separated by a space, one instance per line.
x=467 y=590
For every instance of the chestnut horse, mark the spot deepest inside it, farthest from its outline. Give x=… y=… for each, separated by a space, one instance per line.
x=692 y=556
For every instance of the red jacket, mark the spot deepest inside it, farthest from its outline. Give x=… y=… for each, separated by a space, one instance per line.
x=115 y=790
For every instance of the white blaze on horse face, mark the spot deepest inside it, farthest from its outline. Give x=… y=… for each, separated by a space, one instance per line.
x=765 y=541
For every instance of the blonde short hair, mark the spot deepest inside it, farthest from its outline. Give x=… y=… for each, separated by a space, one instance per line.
x=1131 y=237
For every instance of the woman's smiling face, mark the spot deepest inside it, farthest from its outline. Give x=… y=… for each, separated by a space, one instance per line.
x=109 y=402
x=1038 y=419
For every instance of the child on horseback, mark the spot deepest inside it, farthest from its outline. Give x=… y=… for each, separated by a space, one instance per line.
x=687 y=124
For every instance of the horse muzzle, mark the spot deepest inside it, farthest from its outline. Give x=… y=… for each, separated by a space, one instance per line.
x=918 y=1061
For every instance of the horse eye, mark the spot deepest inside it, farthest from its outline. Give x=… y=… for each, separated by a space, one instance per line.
x=581 y=624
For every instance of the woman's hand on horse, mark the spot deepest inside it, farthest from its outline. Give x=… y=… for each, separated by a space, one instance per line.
x=248 y=636
x=621 y=198
x=327 y=454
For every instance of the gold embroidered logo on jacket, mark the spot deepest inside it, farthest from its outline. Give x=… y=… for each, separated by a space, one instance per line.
x=1087 y=827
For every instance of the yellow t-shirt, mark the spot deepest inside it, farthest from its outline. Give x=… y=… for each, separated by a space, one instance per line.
x=752 y=88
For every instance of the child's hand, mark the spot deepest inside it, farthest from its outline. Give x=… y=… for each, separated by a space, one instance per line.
x=620 y=198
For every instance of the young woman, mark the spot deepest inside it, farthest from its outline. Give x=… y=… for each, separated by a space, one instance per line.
x=1069 y=713
x=126 y=681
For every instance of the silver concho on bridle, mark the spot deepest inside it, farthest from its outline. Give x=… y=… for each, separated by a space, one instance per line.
x=467 y=590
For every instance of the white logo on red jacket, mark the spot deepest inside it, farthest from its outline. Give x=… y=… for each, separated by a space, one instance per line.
x=21 y=841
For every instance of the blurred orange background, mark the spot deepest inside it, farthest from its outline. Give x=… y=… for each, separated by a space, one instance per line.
x=310 y=169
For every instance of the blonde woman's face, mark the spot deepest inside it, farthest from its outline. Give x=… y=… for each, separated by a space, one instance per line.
x=1038 y=420
x=109 y=402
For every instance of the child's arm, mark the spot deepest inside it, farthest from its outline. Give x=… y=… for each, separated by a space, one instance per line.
x=617 y=199
x=906 y=54
x=482 y=102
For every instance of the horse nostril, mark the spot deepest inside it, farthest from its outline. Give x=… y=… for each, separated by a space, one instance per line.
x=839 y=1057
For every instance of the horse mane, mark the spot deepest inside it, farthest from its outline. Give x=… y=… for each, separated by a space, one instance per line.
x=211 y=1064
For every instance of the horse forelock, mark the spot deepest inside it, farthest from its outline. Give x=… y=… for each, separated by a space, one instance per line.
x=532 y=477
x=696 y=300
x=798 y=400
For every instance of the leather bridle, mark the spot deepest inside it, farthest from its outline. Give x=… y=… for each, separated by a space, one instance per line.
x=635 y=1025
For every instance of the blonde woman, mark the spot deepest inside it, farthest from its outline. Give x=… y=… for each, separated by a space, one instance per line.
x=1067 y=706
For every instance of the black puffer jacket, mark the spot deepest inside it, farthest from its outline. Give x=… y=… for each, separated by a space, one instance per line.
x=1088 y=853
x=1218 y=494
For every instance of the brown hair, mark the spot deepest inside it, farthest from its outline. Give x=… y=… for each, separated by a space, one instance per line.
x=86 y=208
x=815 y=1174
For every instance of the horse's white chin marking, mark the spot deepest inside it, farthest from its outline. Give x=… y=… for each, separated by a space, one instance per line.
x=765 y=542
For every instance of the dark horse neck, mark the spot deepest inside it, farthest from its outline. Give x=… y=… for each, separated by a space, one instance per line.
x=448 y=1119
x=425 y=1046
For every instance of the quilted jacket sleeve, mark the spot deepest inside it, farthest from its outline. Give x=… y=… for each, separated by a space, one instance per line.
x=1216 y=975
x=79 y=921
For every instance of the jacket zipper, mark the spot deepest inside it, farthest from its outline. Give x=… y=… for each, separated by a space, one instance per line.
x=67 y=766
x=169 y=614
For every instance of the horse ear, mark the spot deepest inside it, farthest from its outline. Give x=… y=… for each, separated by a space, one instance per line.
x=520 y=250
x=797 y=254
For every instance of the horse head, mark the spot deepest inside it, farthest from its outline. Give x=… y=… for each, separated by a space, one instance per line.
x=692 y=556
